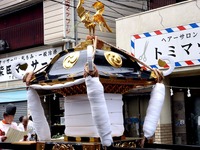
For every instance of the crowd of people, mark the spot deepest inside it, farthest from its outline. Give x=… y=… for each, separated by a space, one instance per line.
x=26 y=124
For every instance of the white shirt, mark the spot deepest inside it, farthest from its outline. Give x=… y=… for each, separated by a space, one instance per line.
x=29 y=129
x=30 y=123
x=4 y=127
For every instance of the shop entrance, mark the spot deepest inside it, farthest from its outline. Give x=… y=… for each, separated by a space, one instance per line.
x=186 y=110
x=193 y=119
x=135 y=107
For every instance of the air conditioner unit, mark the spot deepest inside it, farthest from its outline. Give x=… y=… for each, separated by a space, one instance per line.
x=3 y=45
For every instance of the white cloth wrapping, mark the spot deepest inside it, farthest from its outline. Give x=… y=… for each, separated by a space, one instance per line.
x=79 y=121
x=13 y=68
x=99 y=109
x=37 y=112
x=154 y=109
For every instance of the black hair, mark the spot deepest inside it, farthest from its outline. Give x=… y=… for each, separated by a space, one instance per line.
x=5 y=114
x=21 y=118
x=30 y=118
x=11 y=109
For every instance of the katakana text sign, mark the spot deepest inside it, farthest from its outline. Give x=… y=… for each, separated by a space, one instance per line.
x=181 y=43
x=35 y=61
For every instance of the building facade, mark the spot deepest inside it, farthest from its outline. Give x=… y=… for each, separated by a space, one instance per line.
x=21 y=28
x=35 y=31
x=163 y=29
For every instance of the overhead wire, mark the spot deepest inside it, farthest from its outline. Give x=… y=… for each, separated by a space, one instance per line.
x=135 y=1
x=142 y=3
x=105 y=15
x=108 y=17
x=77 y=24
x=61 y=3
x=126 y=9
x=124 y=5
x=71 y=7
x=115 y=10
x=85 y=6
x=110 y=7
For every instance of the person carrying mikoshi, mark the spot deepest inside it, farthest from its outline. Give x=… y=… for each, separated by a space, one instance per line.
x=25 y=126
x=7 y=122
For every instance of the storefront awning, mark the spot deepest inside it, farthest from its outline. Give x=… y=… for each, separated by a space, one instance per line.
x=13 y=96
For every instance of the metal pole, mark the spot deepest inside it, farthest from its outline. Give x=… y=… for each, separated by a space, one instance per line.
x=75 y=23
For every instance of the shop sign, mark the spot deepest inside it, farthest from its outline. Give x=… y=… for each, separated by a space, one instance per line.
x=182 y=43
x=35 y=61
x=69 y=11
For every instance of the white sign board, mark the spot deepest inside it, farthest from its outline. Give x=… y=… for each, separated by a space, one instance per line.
x=181 y=43
x=35 y=61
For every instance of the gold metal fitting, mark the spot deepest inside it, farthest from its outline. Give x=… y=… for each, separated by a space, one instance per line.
x=71 y=59
x=114 y=59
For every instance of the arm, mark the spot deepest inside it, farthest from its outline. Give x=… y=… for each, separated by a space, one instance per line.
x=2 y=136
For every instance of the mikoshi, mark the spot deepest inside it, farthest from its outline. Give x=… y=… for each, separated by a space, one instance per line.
x=92 y=77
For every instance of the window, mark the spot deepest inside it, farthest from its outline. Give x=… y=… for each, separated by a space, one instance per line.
x=23 y=28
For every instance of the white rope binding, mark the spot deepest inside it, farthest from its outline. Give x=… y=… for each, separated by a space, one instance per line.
x=57 y=86
x=13 y=68
x=171 y=65
x=154 y=109
x=156 y=102
x=99 y=110
x=37 y=112
x=95 y=92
